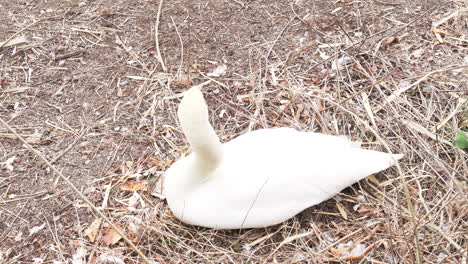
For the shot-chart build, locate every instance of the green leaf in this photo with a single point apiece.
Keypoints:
(461, 140)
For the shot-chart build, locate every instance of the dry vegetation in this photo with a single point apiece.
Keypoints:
(82, 83)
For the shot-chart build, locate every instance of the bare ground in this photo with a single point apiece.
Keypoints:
(85, 88)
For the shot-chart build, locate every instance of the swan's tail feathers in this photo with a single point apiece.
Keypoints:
(374, 161)
(387, 161)
(395, 157)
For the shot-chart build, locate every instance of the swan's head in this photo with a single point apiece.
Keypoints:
(192, 109)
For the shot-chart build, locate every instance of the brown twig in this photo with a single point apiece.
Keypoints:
(156, 36)
(76, 53)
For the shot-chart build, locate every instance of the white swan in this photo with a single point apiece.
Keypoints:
(261, 178)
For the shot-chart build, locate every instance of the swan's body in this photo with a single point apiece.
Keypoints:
(261, 178)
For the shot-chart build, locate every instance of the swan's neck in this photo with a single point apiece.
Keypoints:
(193, 116)
(205, 146)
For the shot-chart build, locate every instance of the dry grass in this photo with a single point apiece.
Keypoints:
(105, 113)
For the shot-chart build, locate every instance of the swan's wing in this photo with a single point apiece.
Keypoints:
(268, 176)
(282, 171)
(302, 158)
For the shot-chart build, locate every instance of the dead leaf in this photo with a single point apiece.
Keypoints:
(403, 36)
(19, 236)
(79, 256)
(110, 236)
(93, 229)
(349, 252)
(36, 229)
(132, 231)
(76, 243)
(357, 253)
(34, 138)
(38, 260)
(9, 163)
(134, 186)
(134, 199)
(183, 80)
(119, 91)
(366, 211)
(218, 71)
(111, 258)
(417, 53)
(300, 109)
(342, 211)
(3, 82)
(13, 42)
(338, 252)
(107, 13)
(393, 40)
(339, 64)
(388, 41)
(373, 179)
(463, 123)
(158, 187)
